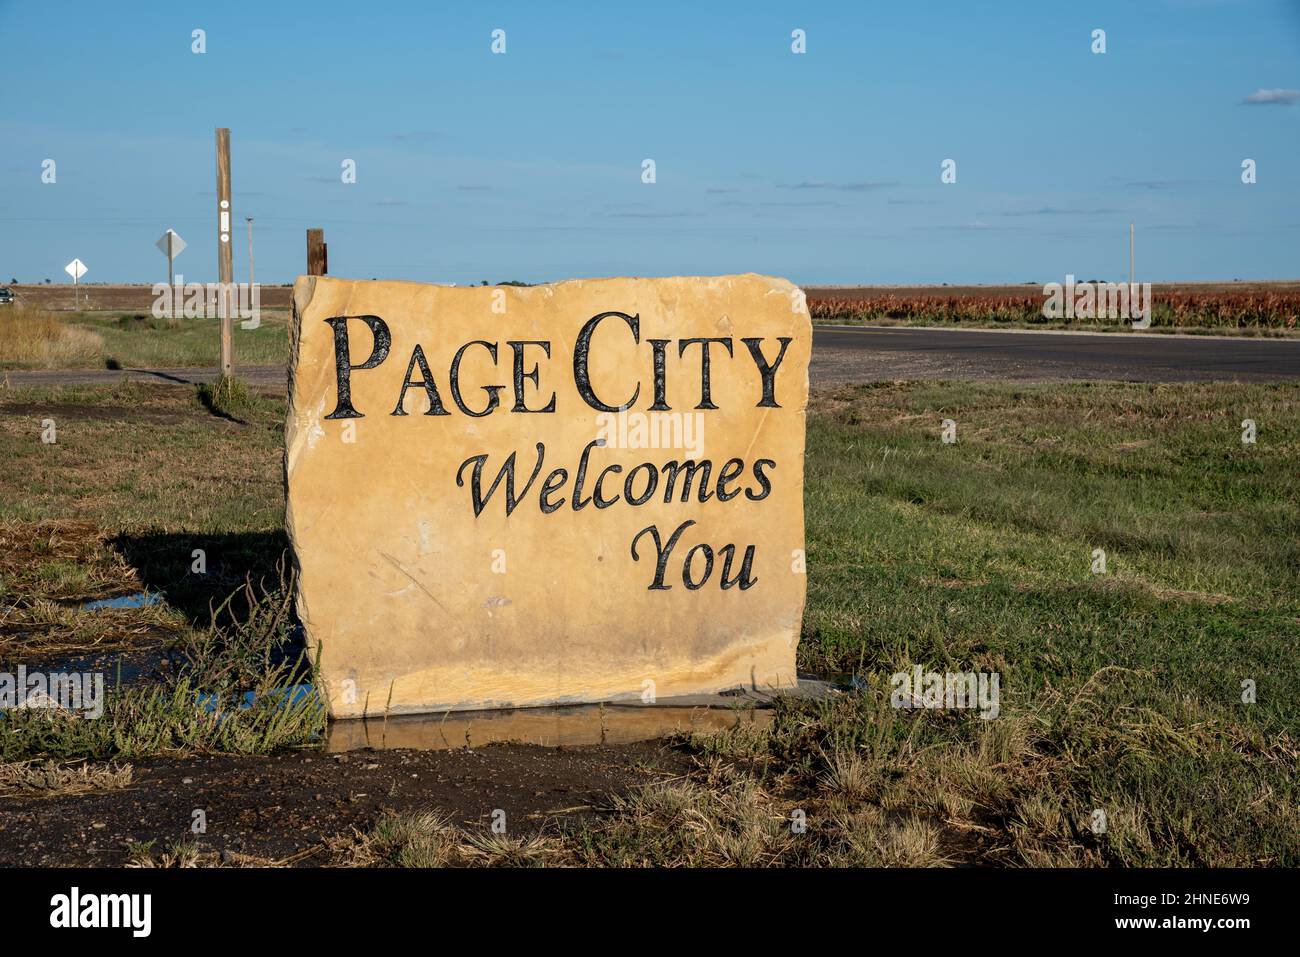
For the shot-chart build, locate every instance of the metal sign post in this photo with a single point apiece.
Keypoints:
(76, 269)
(171, 245)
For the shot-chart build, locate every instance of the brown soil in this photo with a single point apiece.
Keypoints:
(136, 298)
(293, 808)
(100, 413)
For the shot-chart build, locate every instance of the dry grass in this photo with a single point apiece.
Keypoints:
(175, 854)
(35, 338)
(429, 839)
(52, 778)
(501, 850)
(191, 854)
(44, 627)
(719, 816)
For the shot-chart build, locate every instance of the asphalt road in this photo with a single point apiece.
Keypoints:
(844, 355)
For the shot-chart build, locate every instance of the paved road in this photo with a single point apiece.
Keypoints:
(842, 355)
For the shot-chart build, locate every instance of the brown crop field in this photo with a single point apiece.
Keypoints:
(1235, 306)
(91, 297)
(1262, 307)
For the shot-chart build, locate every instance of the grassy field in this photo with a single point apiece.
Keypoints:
(1121, 692)
(33, 338)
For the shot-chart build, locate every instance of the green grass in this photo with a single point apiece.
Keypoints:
(243, 648)
(138, 479)
(134, 456)
(228, 396)
(133, 340)
(170, 718)
(1120, 692)
(928, 552)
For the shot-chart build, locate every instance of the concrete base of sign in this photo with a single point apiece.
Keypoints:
(572, 726)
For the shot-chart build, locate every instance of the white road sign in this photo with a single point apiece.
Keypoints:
(76, 269)
(178, 244)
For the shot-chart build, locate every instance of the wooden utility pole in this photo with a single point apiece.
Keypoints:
(250, 256)
(225, 261)
(318, 260)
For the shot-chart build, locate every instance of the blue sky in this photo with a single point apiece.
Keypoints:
(822, 167)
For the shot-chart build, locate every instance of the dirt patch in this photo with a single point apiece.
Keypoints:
(293, 808)
(1134, 446)
(267, 381)
(71, 540)
(102, 413)
(28, 549)
(1118, 582)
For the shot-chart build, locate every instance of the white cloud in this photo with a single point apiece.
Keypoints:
(1273, 97)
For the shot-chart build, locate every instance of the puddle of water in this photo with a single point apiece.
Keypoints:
(569, 725)
(284, 698)
(847, 681)
(566, 726)
(141, 599)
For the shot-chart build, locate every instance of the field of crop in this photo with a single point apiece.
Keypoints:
(1262, 308)
(133, 297)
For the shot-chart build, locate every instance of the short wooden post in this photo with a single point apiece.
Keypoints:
(317, 253)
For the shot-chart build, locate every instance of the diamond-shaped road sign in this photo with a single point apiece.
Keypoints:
(177, 243)
(76, 269)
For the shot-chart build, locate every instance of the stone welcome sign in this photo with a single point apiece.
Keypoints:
(510, 496)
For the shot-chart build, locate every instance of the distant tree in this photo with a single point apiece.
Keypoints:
(47, 282)
(13, 282)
